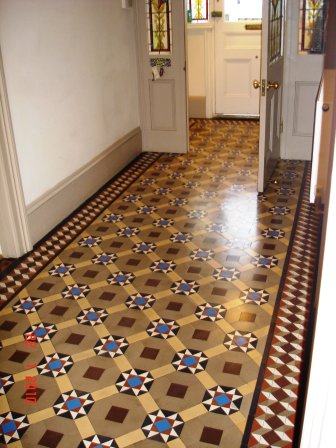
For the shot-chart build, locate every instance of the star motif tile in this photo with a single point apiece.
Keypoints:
(61, 270)
(211, 312)
(202, 254)
(261, 197)
(121, 278)
(128, 231)
(289, 175)
(209, 195)
(146, 210)
(222, 400)
(257, 296)
(13, 425)
(163, 222)
(90, 241)
(98, 441)
(237, 188)
(73, 404)
(144, 248)
(227, 274)
(132, 198)
(134, 382)
(276, 210)
(267, 262)
(240, 341)
(181, 237)
(185, 287)
(164, 266)
(216, 227)
(140, 301)
(148, 181)
(42, 332)
(111, 346)
(275, 234)
(162, 426)
(6, 382)
(163, 191)
(76, 291)
(92, 316)
(113, 217)
(104, 258)
(55, 365)
(179, 202)
(190, 361)
(175, 175)
(27, 305)
(197, 214)
(163, 328)
(191, 185)
(202, 169)
(285, 191)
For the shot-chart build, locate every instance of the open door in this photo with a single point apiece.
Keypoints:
(162, 75)
(271, 87)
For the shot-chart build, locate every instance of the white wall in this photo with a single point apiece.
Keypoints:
(70, 68)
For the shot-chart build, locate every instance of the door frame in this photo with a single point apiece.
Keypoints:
(15, 237)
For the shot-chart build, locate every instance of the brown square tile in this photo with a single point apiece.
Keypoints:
(93, 373)
(189, 225)
(75, 339)
(276, 221)
(219, 291)
(8, 325)
(19, 356)
(171, 211)
(177, 390)
(76, 255)
(102, 228)
(51, 439)
(116, 244)
(234, 368)
(173, 250)
(211, 435)
(155, 234)
(269, 246)
(126, 322)
(108, 296)
(138, 220)
(282, 200)
(203, 335)
(155, 200)
(234, 258)
(45, 286)
(38, 393)
(123, 207)
(117, 414)
(152, 282)
(59, 310)
(247, 317)
(133, 262)
(259, 278)
(149, 353)
(174, 306)
(90, 273)
(209, 240)
(194, 270)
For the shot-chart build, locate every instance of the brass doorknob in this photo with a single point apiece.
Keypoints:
(275, 85)
(256, 84)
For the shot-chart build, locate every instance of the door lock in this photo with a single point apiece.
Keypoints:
(256, 84)
(275, 85)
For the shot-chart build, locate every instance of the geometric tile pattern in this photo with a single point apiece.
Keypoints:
(175, 254)
(97, 441)
(73, 404)
(6, 382)
(162, 426)
(223, 400)
(13, 426)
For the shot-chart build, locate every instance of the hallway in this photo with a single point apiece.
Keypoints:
(151, 315)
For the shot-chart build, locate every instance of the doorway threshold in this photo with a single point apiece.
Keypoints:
(236, 116)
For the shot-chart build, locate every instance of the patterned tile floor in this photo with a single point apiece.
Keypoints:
(148, 325)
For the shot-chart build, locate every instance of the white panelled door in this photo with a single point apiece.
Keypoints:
(163, 99)
(237, 63)
(271, 87)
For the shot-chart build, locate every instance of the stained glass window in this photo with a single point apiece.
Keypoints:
(199, 10)
(312, 25)
(275, 29)
(159, 26)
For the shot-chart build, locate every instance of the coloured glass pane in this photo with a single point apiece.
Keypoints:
(275, 29)
(312, 25)
(199, 10)
(159, 26)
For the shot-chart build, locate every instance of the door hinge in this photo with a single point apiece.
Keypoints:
(263, 87)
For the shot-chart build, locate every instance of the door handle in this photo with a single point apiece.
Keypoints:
(274, 85)
(256, 84)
